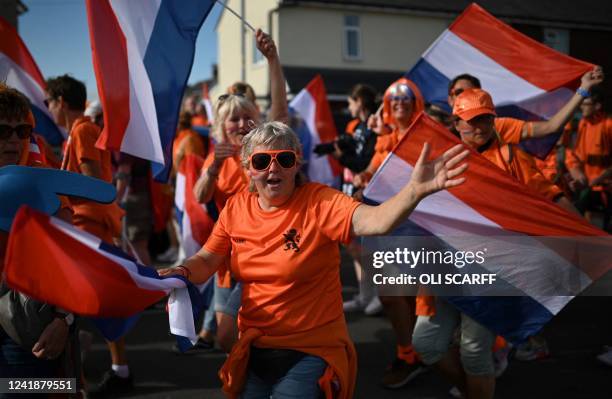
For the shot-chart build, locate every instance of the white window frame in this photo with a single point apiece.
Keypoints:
(345, 41)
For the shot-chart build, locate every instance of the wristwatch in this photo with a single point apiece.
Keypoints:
(68, 318)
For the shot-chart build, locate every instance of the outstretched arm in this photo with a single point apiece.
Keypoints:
(540, 129)
(279, 110)
(427, 178)
(196, 269)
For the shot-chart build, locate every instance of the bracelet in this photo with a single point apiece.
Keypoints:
(583, 93)
(187, 272)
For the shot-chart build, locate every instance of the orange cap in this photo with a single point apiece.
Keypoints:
(472, 103)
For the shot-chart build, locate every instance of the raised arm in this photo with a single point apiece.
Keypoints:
(279, 110)
(554, 124)
(198, 268)
(427, 178)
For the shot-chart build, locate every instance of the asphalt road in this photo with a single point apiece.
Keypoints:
(575, 337)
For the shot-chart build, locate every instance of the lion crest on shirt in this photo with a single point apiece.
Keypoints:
(292, 239)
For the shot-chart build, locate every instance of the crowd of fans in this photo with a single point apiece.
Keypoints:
(274, 252)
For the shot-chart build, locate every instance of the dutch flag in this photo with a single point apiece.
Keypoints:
(526, 79)
(142, 54)
(18, 70)
(312, 106)
(78, 272)
(535, 248)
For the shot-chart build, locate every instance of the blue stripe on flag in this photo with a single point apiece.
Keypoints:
(432, 83)
(46, 127)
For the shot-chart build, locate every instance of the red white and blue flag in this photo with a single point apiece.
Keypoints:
(109, 284)
(522, 231)
(142, 54)
(312, 106)
(18, 70)
(526, 79)
(196, 220)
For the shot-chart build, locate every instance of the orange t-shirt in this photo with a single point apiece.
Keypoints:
(520, 165)
(548, 166)
(231, 180)
(288, 261)
(594, 145)
(187, 142)
(81, 146)
(101, 220)
(510, 129)
(384, 145)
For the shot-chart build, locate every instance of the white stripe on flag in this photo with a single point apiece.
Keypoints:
(453, 56)
(319, 169)
(179, 193)
(141, 136)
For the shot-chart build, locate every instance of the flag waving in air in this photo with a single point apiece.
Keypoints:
(526, 79)
(142, 54)
(312, 106)
(18, 70)
(540, 254)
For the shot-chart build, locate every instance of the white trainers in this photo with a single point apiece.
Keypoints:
(169, 256)
(455, 393)
(606, 358)
(373, 308)
(354, 305)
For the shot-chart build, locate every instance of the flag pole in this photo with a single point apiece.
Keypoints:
(244, 21)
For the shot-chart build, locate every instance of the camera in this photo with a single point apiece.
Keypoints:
(345, 142)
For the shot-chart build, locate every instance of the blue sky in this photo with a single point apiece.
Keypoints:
(56, 34)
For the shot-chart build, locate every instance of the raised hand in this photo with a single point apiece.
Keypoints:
(592, 78)
(265, 44)
(441, 173)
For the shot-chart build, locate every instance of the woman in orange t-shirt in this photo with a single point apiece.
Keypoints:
(282, 236)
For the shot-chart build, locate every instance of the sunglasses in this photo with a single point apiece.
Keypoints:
(263, 159)
(22, 131)
(400, 98)
(224, 97)
(456, 92)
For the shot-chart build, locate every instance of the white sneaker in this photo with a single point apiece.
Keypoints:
(500, 360)
(606, 358)
(455, 393)
(354, 305)
(169, 256)
(373, 308)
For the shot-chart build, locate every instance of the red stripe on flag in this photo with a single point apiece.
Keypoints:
(110, 61)
(14, 48)
(533, 61)
(66, 273)
(324, 120)
(201, 222)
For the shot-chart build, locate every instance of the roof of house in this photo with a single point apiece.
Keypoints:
(592, 14)
(339, 81)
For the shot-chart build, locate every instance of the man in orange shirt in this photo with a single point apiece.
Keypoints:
(513, 130)
(594, 149)
(433, 333)
(66, 99)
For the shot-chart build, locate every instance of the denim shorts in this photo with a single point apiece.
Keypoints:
(228, 300)
(301, 381)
